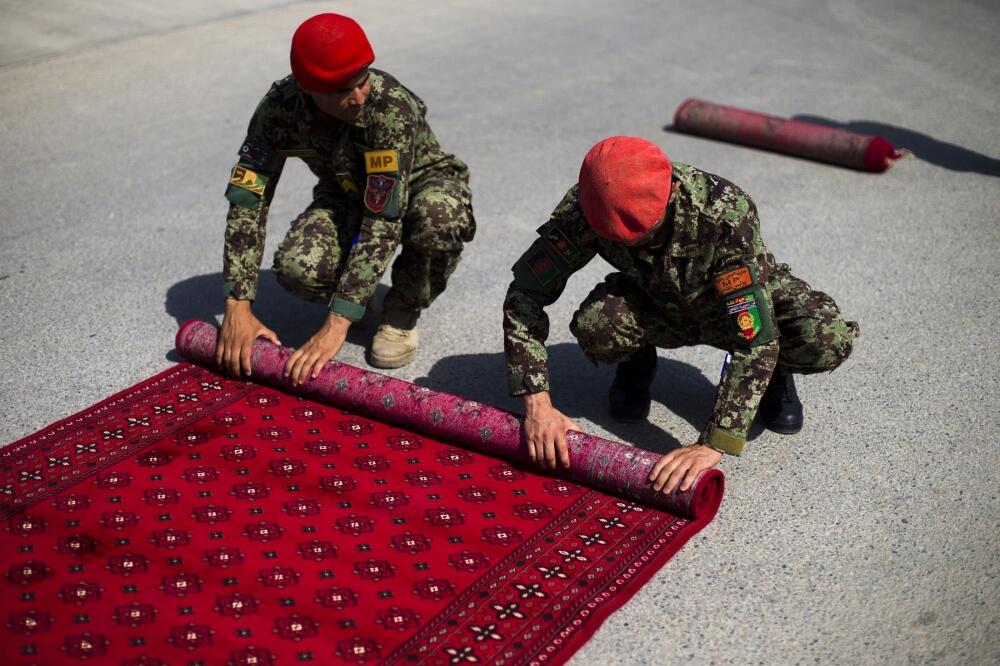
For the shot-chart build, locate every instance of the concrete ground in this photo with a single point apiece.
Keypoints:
(871, 537)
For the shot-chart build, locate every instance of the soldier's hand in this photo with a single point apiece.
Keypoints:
(545, 431)
(239, 329)
(309, 359)
(682, 466)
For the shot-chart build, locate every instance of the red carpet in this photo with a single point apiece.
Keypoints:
(195, 519)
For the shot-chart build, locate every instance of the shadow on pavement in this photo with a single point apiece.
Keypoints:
(943, 154)
(580, 391)
(293, 319)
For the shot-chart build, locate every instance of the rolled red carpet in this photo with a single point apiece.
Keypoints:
(595, 461)
(195, 518)
(793, 137)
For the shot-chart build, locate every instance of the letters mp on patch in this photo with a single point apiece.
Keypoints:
(734, 280)
(248, 180)
(378, 192)
(382, 161)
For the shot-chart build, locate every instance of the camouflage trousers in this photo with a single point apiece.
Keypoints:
(618, 317)
(436, 225)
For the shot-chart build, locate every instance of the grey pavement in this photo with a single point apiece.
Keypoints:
(872, 537)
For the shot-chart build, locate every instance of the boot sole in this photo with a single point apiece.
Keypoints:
(390, 363)
(783, 430)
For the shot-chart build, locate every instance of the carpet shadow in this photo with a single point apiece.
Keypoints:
(294, 320)
(580, 390)
(941, 153)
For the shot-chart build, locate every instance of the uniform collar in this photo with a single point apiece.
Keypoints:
(684, 219)
(364, 119)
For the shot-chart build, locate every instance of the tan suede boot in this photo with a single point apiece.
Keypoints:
(393, 347)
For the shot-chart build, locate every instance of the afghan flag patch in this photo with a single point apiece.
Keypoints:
(378, 192)
(746, 315)
(542, 267)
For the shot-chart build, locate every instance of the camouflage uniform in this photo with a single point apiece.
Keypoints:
(705, 278)
(383, 181)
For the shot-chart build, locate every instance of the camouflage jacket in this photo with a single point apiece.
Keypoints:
(372, 165)
(703, 269)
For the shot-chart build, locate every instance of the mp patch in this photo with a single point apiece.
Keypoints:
(378, 192)
(381, 161)
(561, 243)
(746, 315)
(734, 280)
(250, 181)
(255, 154)
(542, 266)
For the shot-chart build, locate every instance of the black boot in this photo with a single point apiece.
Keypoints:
(780, 409)
(629, 395)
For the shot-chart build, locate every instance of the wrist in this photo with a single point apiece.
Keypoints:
(236, 304)
(535, 403)
(712, 448)
(337, 322)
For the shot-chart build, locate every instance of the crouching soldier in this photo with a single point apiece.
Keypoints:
(691, 269)
(383, 182)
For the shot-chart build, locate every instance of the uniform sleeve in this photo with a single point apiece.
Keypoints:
(251, 188)
(540, 276)
(388, 164)
(741, 287)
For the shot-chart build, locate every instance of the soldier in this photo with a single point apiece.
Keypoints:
(692, 269)
(383, 182)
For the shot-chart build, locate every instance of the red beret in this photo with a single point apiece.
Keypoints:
(624, 187)
(328, 50)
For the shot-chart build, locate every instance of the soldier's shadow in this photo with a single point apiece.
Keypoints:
(293, 319)
(580, 390)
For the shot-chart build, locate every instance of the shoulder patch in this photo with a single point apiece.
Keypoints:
(378, 192)
(381, 161)
(248, 180)
(255, 154)
(733, 280)
(542, 266)
(747, 315)
(347, 184)
(561, 243)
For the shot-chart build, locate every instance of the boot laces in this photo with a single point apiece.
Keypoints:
(394, 334)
